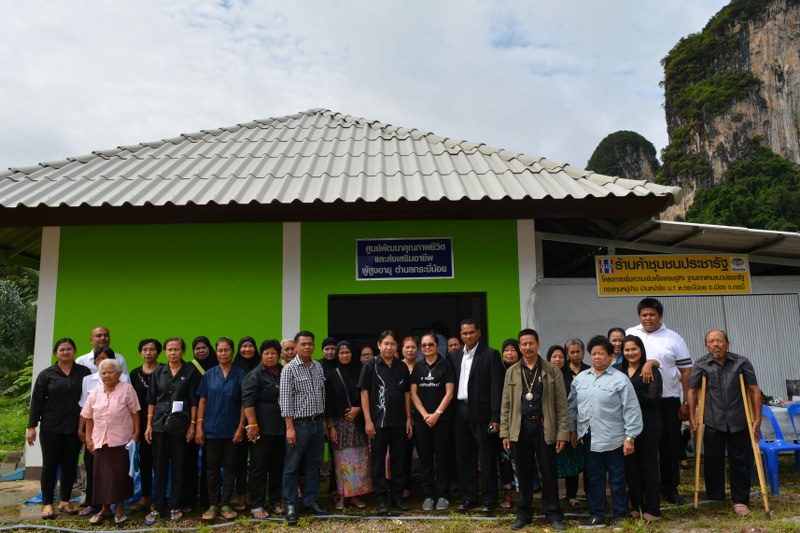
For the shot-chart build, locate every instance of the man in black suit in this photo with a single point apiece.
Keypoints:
(479, 389)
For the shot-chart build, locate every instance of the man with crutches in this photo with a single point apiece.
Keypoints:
(724, 418)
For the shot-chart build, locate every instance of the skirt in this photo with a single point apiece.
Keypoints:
(569, 463)
(351, 460)
(112, 484)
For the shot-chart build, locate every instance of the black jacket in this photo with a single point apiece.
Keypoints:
(485, 385)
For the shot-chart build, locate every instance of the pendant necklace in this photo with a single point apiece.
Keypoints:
(529, 395)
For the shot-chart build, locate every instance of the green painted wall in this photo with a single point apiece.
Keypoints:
(166, 280)
(484, 255)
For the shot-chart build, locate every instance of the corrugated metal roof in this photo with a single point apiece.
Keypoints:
(313, 156)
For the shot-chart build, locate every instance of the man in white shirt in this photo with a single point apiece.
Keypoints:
(100, 338)
(675, 363)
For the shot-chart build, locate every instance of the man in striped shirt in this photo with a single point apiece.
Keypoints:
(302, 403)
(675, 363)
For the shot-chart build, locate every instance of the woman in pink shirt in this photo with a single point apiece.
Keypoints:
(112, 421)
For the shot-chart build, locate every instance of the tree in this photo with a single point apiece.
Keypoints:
(626, 154)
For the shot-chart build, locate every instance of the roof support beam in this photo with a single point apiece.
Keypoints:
(696, 232)
(657, 248)
(768, 244)
(23, 245)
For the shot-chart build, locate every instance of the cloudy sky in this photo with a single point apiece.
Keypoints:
(544, 77)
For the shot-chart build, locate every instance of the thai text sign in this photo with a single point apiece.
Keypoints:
(404, 258)
(650, 275)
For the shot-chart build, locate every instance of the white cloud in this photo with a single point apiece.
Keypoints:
(540, 77)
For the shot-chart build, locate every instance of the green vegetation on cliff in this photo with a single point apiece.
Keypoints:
(762, 190)
(608, 157)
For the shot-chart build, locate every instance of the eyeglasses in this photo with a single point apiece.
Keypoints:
(428, 344)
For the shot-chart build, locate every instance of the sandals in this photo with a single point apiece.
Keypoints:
(48, 516)
(210, 514)
(357, 503)
(241, 505)
(151, 518)
(67, 509)
(118, 519)
(339, 505)
(98, 518)
(278, 509)
(228, 513)
(88, 511)
(175, 515)
(259, 513)
(507, 500)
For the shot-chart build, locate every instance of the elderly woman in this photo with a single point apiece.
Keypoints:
(433, 385)
(220, 423)
(569, 463)
(643, 479)
(140, 379)
(112, 421)
(511, 354)
(54, 405)
(171, 420)
(265, 430)
(346, 428)
(603, 402)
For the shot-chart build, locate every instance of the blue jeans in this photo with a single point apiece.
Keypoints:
(310, 443)
(597, 465)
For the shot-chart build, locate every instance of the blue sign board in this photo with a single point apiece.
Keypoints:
(404, 258)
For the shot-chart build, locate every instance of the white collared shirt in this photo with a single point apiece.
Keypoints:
(87, 360)
(466, 366)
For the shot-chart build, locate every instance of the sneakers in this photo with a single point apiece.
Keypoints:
(593, 522)
(442, 504)
(427, 505)
(741, 509)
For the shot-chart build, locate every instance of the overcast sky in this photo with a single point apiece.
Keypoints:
(544, 77)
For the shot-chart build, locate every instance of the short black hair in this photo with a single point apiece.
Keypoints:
(468, 322)
(303, 333)
(724, 335)
(603, 342)
(63, 340)
(145, 342)
(612, 330)
(270, 343)
(553, 349)
(528, 331)
(105, 350)
(650, 302)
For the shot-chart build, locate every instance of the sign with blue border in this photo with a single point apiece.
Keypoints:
(425, 258)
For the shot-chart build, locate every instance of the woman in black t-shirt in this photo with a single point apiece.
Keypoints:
(432, 390)
(140, 379)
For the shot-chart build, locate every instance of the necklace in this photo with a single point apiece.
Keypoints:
(430, 368)
(529, 395)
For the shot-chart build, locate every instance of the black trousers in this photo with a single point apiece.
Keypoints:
(220, 454)
(670, 446)
(241, 453)
(146, 468)
(394, 440)
(433, 446)
(195, 490)
(59, 450)
(169, 453)
(644, 489)
(529, 450)
(740, 461)
(88, 464)
(266, 465)
(473, 443)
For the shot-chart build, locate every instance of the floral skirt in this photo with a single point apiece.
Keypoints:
(351, 460)
(569, 463)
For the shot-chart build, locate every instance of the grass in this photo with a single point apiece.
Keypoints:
(12, 424)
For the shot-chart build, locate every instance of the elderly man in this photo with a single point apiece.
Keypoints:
(667, 350)
(534, 427)
(288, 351)
(603, 401)
(100, 338)
(302, 403)
(724, 419)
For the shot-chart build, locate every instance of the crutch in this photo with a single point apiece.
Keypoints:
(699, 443)
(756, 451)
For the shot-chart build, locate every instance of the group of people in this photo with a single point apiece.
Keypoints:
(227, 421)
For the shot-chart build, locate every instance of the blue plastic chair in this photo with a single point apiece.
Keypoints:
(772, 449)
(794, 410)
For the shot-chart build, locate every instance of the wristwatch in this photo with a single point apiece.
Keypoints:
(630, 438)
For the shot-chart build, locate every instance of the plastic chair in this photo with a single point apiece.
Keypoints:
(772, 449)
(794, 410)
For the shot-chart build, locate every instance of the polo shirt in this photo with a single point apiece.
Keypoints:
(166, 389)
(261, 389)
(223, 396)
(387, 386)
(431, 381)
(672, 354)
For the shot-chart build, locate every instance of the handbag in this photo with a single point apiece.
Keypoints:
(177, 423)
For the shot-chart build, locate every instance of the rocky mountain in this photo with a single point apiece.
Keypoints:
(626, 154)
(732, 85)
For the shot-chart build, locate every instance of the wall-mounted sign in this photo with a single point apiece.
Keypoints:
(404, 258)
(650, 275)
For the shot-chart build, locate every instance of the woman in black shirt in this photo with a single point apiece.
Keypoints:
(432, 389)
(248, 359)
(54, 403)
(140, 379)
(173, 389)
